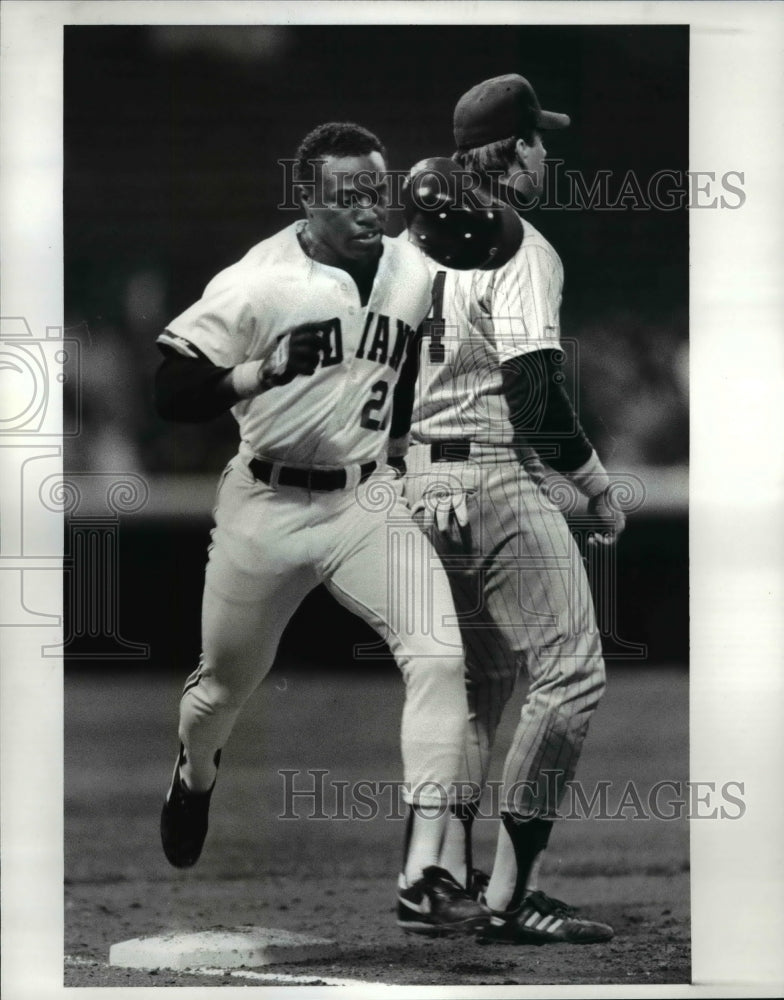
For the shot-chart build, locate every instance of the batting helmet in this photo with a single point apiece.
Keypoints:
(455, 221)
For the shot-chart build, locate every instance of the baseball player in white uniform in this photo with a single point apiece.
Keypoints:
(304, 339)
(490, 413)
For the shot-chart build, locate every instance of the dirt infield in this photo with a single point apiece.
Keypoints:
(334, 876)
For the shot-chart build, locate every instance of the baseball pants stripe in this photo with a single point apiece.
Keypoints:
(524, 605)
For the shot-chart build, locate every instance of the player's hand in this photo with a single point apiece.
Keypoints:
(296, 354)
(447, 511)
(450, 510)
(610, 520)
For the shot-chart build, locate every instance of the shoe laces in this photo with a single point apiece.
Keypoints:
(549, 904)
(446, 882)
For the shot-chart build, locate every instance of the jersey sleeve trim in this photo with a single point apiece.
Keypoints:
(178, 344)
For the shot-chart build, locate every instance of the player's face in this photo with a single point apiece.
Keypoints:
(346, 222)
(528, 177)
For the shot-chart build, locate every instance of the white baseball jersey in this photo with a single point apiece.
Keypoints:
(338, 416)
(488, 317)
(273, 543)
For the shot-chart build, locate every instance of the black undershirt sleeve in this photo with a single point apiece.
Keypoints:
(541, 412)
(191, 390)
(403, 400)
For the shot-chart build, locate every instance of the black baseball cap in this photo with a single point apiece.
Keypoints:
(499, 108)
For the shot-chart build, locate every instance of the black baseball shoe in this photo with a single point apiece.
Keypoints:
(543, 920)
(436, 904)
(184, 819)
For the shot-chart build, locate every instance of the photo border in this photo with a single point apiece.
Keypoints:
(736, 539)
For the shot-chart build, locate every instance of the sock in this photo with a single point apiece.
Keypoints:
(521, 843)
(532, 883)
(424, 833)
(201, 779)
(456, 852)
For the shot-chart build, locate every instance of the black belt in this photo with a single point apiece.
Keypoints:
(450, 451)
(320, 480)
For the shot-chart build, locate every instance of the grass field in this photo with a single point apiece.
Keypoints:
(334, 877)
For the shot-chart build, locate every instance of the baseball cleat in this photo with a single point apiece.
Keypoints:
(184, 821)
(436, 904)
(543, 920)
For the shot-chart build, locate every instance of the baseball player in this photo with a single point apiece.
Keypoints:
(490, 416)
(303, 339)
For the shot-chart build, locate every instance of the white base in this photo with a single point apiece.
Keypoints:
(229, 949)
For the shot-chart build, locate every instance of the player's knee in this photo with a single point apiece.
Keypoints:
(571, 686)
(443, 669)
(577, 661)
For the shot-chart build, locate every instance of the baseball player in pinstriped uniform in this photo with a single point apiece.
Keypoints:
(304, 339)
(490, 411)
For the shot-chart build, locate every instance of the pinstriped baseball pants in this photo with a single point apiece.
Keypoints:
(524, 605)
